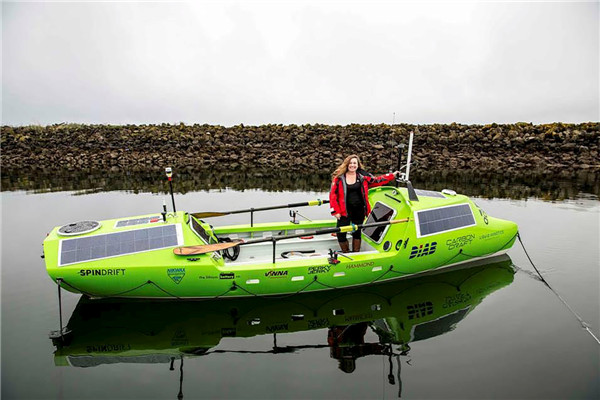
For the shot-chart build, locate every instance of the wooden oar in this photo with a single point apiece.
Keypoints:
(209, 214)
(207, 248)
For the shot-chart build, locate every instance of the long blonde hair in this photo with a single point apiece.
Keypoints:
(343, 167)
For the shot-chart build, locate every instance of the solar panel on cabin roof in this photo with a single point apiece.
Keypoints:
(429, 193)
(137, 221)
(445, 219)
(116, 244)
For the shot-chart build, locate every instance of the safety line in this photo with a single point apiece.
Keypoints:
(584, 325)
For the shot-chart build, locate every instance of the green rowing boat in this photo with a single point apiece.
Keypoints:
(180, 255)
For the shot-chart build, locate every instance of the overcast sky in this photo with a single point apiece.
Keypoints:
(333, 62)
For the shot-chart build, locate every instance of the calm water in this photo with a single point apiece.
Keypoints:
(487, 331)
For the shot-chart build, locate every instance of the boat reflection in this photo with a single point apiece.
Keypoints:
(399, 313)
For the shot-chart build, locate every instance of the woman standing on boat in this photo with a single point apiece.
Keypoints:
(349, 199)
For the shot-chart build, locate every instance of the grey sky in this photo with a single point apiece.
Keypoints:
(300, 62)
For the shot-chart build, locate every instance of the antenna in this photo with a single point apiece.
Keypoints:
(410, 142)
(169, 173)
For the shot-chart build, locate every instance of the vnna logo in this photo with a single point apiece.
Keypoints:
(275, 273)
(423, 250)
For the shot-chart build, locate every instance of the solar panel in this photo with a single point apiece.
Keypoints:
(444, 219)
(117, 244)
(199, 230)
(429, 193)
(137, 221)
(380, 212)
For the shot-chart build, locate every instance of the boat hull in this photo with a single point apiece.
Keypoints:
(262, 269)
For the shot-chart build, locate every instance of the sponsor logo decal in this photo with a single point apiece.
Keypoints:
(360, 265)
(423, 250)
(457, 299)
(488, 236)
(228, 332)
(484, 215)
(276, 274)
(318, 323)
(226, 275)
(176, 274)
(277, 328)
(321, 269)
(420, 310)
(107, 348)
(179, 338)
(459, 242)
(102, 272)
(358, 317)
(208, 277)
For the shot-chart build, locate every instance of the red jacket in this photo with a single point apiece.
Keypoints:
(337, 194)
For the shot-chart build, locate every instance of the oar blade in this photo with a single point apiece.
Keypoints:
(204, 248)
(208, 214)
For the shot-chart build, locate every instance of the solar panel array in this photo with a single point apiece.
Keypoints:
(117, 244)
(429, 193)
(137, 221)
(445, 219)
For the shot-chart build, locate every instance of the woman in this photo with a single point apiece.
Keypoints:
(349, 199)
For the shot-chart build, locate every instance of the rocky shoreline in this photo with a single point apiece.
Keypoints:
(509, 148)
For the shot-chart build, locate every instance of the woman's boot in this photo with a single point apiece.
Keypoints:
(345, 246)
(355, 245)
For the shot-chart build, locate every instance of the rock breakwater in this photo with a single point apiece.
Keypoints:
(450, 147)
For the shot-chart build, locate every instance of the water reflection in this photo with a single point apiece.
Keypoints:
(571, 185)
(399, 313)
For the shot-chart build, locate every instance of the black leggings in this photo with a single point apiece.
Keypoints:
(356, 215)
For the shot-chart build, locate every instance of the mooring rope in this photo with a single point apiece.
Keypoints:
(584, 325)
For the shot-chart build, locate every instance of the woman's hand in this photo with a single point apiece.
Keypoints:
(338, 216)
(397, 174)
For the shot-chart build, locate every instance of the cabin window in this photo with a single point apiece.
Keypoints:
(107, 245)
(380, 213)
(443, 219)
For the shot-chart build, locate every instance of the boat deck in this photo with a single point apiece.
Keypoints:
(293, 249)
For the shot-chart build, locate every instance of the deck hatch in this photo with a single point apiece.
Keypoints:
(444, 219)
(119, 243)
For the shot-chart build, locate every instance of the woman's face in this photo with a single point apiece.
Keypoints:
(353, 165)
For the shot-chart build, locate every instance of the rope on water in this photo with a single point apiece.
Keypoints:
(584, 325)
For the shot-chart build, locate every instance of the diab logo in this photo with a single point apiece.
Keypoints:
(423, 250)
(176, 274)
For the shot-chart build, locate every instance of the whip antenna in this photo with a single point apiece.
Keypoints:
(169, 173)
(410, 142)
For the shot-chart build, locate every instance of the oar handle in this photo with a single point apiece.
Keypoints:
(311, 203)
(292, 205)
